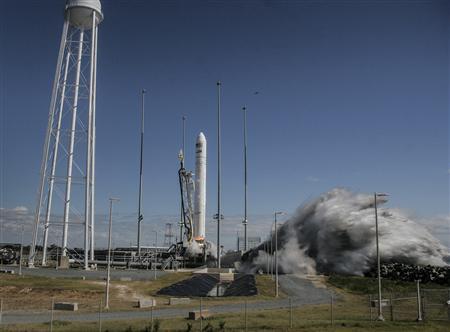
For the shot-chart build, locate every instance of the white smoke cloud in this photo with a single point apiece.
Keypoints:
(336, 233)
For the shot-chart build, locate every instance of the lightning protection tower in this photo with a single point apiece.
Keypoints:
(67, 176)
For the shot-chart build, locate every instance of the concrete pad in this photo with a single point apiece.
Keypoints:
(179, 300)
(194, 315)
(69, 306)
(146, 303)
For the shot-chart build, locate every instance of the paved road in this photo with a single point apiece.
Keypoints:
(89, 275)
(302, 292)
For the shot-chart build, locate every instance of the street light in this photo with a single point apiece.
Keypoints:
(155, 254)
(380, 310)
(108, 275)
(276, 253)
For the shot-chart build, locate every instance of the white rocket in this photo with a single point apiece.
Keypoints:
(200, 188)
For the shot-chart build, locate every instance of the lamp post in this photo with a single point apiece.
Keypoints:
(276, 252)
(219, 213)
(380, 310)
(244, 109)
(108, 274)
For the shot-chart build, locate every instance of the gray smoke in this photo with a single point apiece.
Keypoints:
(335, 233)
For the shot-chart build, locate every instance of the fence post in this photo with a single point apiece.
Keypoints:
(100, 316)
(51, 315)
(391, 302)
(1, 311)
(290, 313)
(331, 309)
(370, 307)
(423, 297)
(201, 320)
(151, 317)
(448, 306)
(419, 309)
(245, 315)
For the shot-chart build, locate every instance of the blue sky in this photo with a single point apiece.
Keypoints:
(351, 94)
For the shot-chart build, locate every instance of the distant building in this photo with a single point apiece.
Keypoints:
(251, 242)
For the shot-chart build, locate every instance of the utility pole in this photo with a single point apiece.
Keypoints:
(108, 275)
(219, 213)
(245, 179)
(140, 216)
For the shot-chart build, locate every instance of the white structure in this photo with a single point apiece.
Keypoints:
(68, 161)
(200, 188)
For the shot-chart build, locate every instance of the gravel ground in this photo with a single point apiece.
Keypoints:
(89, 275)
(302, 292)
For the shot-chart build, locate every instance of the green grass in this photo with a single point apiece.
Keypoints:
(363, 285)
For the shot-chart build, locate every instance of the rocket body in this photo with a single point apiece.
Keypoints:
(200, 188)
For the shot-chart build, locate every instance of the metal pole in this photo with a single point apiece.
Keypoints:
(266, 250)
(108, 274)
(201, 320)
(51, 314)
(71, 151)
(219, 213)
(1, 311)
(21, 253)
(43, 170)
(380, 312)
(100, 316)
(331, 310)
(245, 179)
(94, 84)
(87, 194)
(245, 314)
(290, 313)
(140, 216)
(419, 305)
(54, 159)
(151, 316)
(276, 257)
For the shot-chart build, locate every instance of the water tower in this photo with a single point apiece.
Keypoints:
(67, 176)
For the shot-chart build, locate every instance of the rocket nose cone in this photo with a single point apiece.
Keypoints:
(201, 137)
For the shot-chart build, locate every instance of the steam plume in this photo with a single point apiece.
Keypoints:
(336, 233)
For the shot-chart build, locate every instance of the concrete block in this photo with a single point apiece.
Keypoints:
(384, 303)
(179, 300)
(227, 277)
(146, 303)
(69, 306)
(64, 262)
(125, 279)
(194, 315)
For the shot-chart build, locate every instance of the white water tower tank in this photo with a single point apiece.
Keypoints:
(79, 12)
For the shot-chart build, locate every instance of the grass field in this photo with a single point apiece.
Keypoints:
(37, 293)
(350, 311)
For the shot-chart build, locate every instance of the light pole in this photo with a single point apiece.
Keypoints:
(155, 254)
(140, 216)
(108, 275)
(276, 253)
(219, 213)
(244, 109)
(380, 310)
